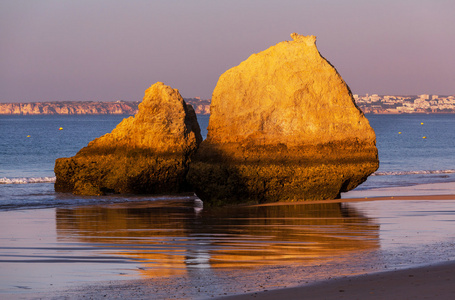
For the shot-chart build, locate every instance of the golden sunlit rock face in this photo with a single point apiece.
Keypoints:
(283, 127)
(147, 153)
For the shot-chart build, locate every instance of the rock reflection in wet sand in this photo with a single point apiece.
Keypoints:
(186, 252)
(173, 237)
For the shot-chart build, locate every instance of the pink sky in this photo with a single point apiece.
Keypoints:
(107, 50)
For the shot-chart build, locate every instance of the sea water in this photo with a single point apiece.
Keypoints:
(189, 252)
(413, 149)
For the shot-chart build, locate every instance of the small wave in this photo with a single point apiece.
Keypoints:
(25, 180)
(421, 172)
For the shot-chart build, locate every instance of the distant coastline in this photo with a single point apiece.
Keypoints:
(387, 104)
(88, 107)
(370, 104)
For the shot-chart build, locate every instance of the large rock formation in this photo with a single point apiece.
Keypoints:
(147, 153)
(283, 127)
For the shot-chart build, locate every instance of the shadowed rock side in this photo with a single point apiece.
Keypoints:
(147, 153)
(283, 127)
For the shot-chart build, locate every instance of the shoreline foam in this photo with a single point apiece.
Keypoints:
(419, 190)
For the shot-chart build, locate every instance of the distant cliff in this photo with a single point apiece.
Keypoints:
(87, 107)
(69, 108)
(201, 107)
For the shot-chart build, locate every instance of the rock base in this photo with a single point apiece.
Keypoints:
(132, 174)
(233, 174)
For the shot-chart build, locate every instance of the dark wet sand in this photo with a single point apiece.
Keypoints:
(428, 282)
(435, 281)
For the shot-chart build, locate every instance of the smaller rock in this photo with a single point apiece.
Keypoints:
(145, 154)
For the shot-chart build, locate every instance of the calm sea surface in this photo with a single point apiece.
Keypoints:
(52, 241)
(413, 149)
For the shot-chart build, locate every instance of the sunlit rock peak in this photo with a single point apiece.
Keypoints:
(283, 127)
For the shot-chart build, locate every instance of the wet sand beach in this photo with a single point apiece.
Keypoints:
(427, 282)
(363, 247)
